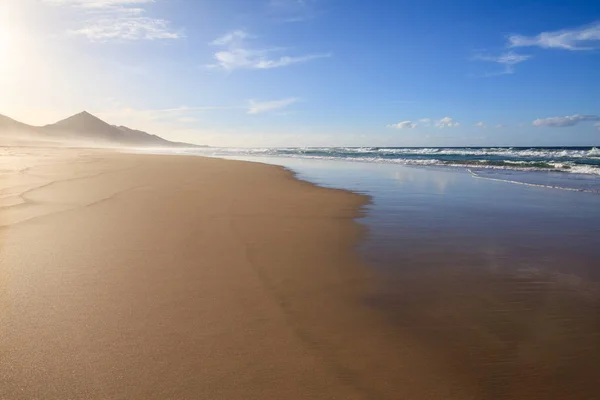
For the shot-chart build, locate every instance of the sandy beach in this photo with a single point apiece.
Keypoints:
(166, 277)
(171, 277)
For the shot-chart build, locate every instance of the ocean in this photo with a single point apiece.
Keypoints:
(581, 160)
(567, 168)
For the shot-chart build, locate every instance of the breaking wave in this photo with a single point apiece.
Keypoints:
(578, 160)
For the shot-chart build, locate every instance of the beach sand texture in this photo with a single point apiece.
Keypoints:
(172, 277)
(132, 276)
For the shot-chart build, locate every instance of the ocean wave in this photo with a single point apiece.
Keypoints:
(476, 174)
(573, 160)
(594, 152)
(548, 153)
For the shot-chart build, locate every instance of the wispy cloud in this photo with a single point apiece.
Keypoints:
(445, 122)
(98, 3)
(257, 107)
(560, 122)
(480, 124)
(581, 38)
(403, 125)
(237, 55)
(185, 114)
(230, 37)
(129, 28)
(507, 60)
(108, 20)
(287, 60)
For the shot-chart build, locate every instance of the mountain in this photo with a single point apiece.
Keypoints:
(84, 125)
(10, 125)
(17, 133)
(84, 129)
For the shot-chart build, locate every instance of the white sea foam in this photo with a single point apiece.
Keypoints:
(570, 160)
(594, 152)
(505, 180)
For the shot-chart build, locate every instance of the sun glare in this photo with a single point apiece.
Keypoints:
(8, 66)
(6, 45)
(5, 41)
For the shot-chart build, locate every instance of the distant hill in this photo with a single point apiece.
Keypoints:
(9, 123)
(83, 129)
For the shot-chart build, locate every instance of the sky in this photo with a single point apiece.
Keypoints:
(310, 72)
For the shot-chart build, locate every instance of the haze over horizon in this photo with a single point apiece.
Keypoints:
(309, 72)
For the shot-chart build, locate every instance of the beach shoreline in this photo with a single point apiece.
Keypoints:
(161, 276)
(138, 276)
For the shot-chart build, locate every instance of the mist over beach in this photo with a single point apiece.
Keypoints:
(299, 199)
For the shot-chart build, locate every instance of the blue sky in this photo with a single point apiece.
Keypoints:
(310, 72)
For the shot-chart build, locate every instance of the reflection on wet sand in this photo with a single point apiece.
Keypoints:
(439, 182)
(500, 281)
(526, 333)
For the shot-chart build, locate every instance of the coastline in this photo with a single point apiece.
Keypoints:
(136, 276)
(505, 292)
(161, 276)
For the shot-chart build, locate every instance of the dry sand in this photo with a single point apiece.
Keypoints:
(170, 277)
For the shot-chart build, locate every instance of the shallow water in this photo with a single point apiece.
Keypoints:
(501, 279)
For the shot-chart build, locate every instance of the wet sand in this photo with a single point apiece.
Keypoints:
(172, 277)
(166, 277)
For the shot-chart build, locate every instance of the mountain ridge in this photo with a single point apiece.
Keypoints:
(83, 128)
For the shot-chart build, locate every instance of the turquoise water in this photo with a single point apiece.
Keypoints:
(579, 160)
(568, 168)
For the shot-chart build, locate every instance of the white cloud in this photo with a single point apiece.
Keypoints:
(500, 126)
(581, 38)
(480, 124)
(129, 28)
(257, 107)
(238, 56)
(446, 122)
(118, 20)
(286, 60)
(97, 3)
(507, 60)
(185, 114)
(403, 125)
(559, 122)
(231, 37)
